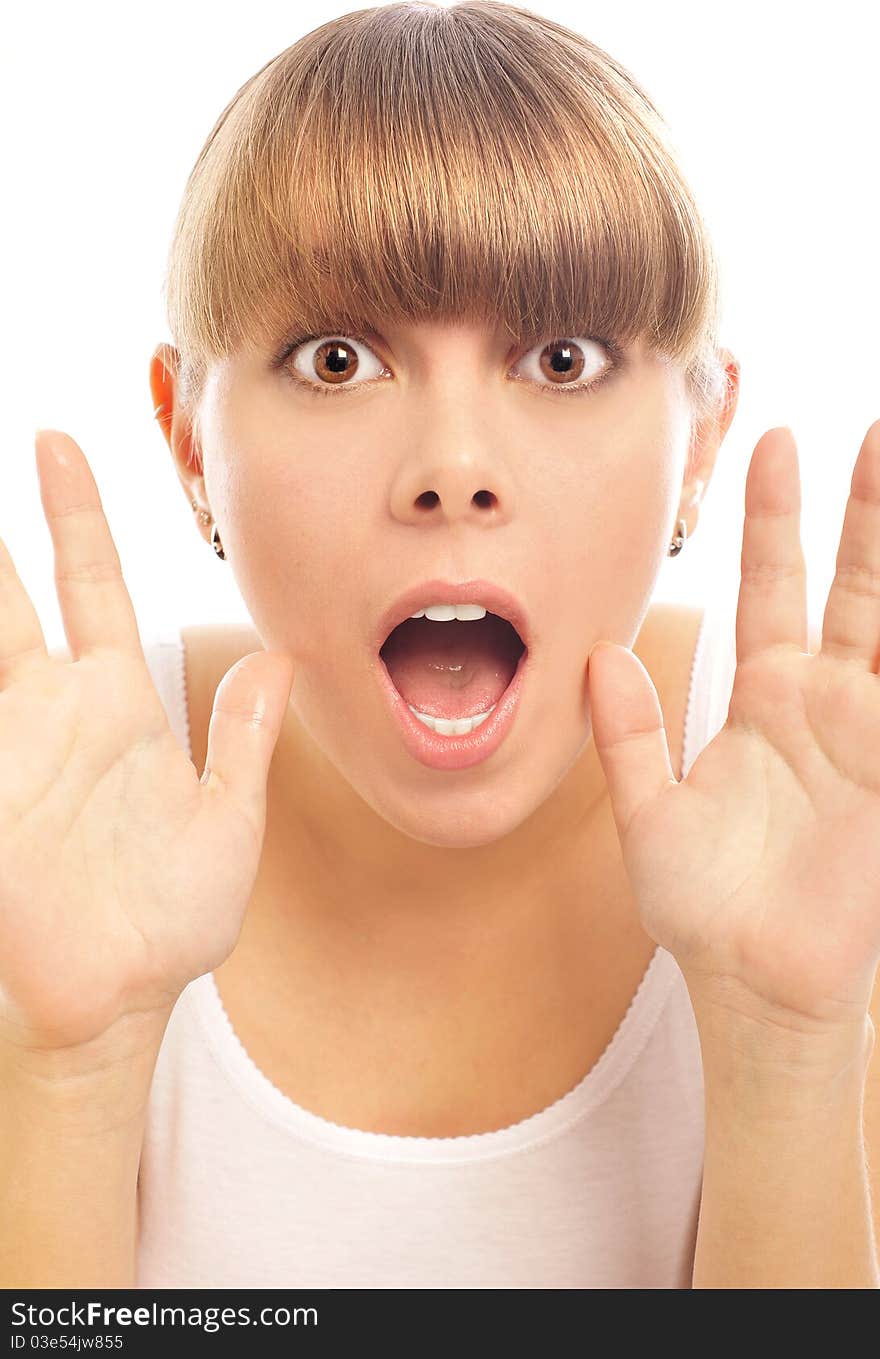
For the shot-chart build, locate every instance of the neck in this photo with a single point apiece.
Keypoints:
(365, 875)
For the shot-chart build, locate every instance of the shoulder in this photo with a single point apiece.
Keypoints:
(668, 635)
(207, 646)
(666, 645)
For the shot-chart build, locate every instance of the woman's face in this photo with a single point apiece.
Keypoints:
(463, 459)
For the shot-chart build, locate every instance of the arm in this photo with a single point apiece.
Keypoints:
(786, 1201)
(759, 872)
(71, 1128)
(123, 876)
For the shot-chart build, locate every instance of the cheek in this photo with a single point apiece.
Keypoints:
(605, 551)
(302, 569)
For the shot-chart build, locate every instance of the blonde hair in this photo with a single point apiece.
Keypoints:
(421, 161)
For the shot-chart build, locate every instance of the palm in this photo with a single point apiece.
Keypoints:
(149, 870)
(123, 875)
(761, 868)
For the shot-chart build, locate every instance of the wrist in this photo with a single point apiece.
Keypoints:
(767, 1067)
(95, 1086)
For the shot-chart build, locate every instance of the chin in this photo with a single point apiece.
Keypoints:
(457, 809)
(450, 817)
(448, 824)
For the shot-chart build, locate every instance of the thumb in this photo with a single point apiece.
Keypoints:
(249, 707)
(628, 730)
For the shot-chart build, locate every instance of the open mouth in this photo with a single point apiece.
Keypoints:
(452, 672)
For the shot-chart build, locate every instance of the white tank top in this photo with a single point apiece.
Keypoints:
(239, 1187)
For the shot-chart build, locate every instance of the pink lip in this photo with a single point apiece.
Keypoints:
(494, 598)
(426, 746)
(455, 752)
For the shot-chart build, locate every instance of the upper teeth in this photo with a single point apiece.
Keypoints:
(444, 613)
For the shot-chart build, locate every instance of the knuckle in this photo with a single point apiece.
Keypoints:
(857, 578)
(95, 572)
(766, 574)
(76, 507)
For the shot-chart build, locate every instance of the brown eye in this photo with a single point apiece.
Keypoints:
(331, 362)
(335, 360)
(566, 363)
(561, 359)
(324, 365)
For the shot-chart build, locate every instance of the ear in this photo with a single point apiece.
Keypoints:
(707, 436)
(175, 426)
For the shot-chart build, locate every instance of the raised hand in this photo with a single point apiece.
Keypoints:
(123, 874)
(760, 870)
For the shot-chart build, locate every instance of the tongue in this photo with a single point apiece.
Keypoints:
(454, 669)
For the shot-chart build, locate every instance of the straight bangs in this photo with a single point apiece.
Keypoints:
(421, 162)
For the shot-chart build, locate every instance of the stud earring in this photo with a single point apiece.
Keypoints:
(205, 518)
(680, 538)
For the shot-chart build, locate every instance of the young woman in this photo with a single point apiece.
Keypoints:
(322, 983)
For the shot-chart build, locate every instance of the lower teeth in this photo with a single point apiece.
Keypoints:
(459, 726)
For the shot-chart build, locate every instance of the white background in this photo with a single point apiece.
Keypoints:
(105, 107)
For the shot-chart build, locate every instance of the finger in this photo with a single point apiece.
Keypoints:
(22, 644)
(628, 731)
(772, 605)
(249, 707)
(851, 623)
(95, 604)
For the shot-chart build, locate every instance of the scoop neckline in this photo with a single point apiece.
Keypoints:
(588, 1094)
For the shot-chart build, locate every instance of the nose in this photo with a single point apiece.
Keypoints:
(456, 488)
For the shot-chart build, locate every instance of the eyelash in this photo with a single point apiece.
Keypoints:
(279, 361)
